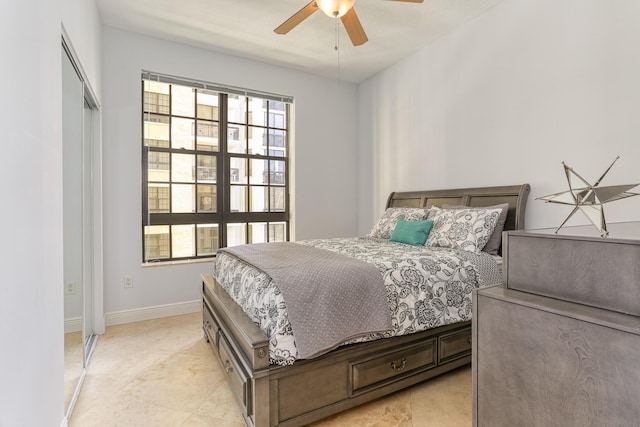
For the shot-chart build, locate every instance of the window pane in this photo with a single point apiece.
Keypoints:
(278, 199)
(207, 129)
(208, 106)
(207, 136)
(158, 167)
(277, 232)
(156, 242)
(279, 109)
(156, 97)
(258, 200)
(182, 133)
(236, 139)
(236, 234)
(207, 239)
(183, 198)
(156, 130)
(182, 101)
(238, 199)
(276, 172)
(183, 167)
(182, 239)
(237, 109)
(277, 143)
(259, 171)
(207, 171)
(238, 170)
(258, 232)
(257, 140)
(207, 200)
(158, 198)
(276, 120)
(257, 112)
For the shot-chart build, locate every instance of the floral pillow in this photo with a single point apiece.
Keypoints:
(387, 222)
(467, 229)
(495, 240)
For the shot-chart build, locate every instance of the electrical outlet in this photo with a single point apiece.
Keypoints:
(128, 282)
(70, 288)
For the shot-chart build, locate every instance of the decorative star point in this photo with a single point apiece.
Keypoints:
(589, 199)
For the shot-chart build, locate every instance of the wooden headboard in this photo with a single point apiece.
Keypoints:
(515, 195)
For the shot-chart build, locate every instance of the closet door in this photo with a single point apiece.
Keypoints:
(72, 137)
(81, 223)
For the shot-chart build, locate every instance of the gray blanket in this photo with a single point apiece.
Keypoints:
(330, 298)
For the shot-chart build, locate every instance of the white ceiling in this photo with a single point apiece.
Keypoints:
(245, 28)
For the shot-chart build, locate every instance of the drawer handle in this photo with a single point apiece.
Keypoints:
(227, 367)
(207, 324)
(396, 368)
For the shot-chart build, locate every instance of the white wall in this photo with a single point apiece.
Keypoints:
(326, 157)
(31, 270)
(504, 100)
(83, 25)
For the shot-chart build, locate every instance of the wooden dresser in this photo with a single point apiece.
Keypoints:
(559, 343)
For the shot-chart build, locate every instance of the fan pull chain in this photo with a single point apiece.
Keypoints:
(337, 33)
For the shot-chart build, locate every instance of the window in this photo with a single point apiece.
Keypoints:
(215, 168)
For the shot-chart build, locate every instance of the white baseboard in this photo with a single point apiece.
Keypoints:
(73, 324)
(154, 312)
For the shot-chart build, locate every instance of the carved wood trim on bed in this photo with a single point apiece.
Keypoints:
(351, 375)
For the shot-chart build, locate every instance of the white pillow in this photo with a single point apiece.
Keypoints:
(467, 229)
(387, 222)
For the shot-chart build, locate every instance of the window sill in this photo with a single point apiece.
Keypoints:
(179, 262)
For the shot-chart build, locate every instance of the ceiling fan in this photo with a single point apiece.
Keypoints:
(342, 9)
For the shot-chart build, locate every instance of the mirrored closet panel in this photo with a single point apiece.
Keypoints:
(81, 230)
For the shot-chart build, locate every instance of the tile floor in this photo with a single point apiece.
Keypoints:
(162, 373)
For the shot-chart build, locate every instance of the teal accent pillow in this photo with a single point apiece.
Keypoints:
(412, 232)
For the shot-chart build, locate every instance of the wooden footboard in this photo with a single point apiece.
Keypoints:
(313, 389)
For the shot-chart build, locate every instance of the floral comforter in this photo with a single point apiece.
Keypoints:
(426, 287)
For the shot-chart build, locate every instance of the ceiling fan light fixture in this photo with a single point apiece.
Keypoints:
(335, 8)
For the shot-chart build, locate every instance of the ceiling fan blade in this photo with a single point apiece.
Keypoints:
(297, 18)
(354, 28)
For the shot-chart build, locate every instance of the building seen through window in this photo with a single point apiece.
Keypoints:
(215, 170)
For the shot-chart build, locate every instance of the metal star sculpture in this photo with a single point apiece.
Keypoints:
(589, 199)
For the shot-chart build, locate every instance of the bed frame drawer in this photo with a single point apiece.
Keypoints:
(238, 379)
(391, 366)
(210, 327)
(454, 345)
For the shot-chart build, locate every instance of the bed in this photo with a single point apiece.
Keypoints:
(276, 391)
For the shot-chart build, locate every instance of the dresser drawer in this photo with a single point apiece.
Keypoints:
(394, 365)
(454, 345)
(575, 267)
(235, 374)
